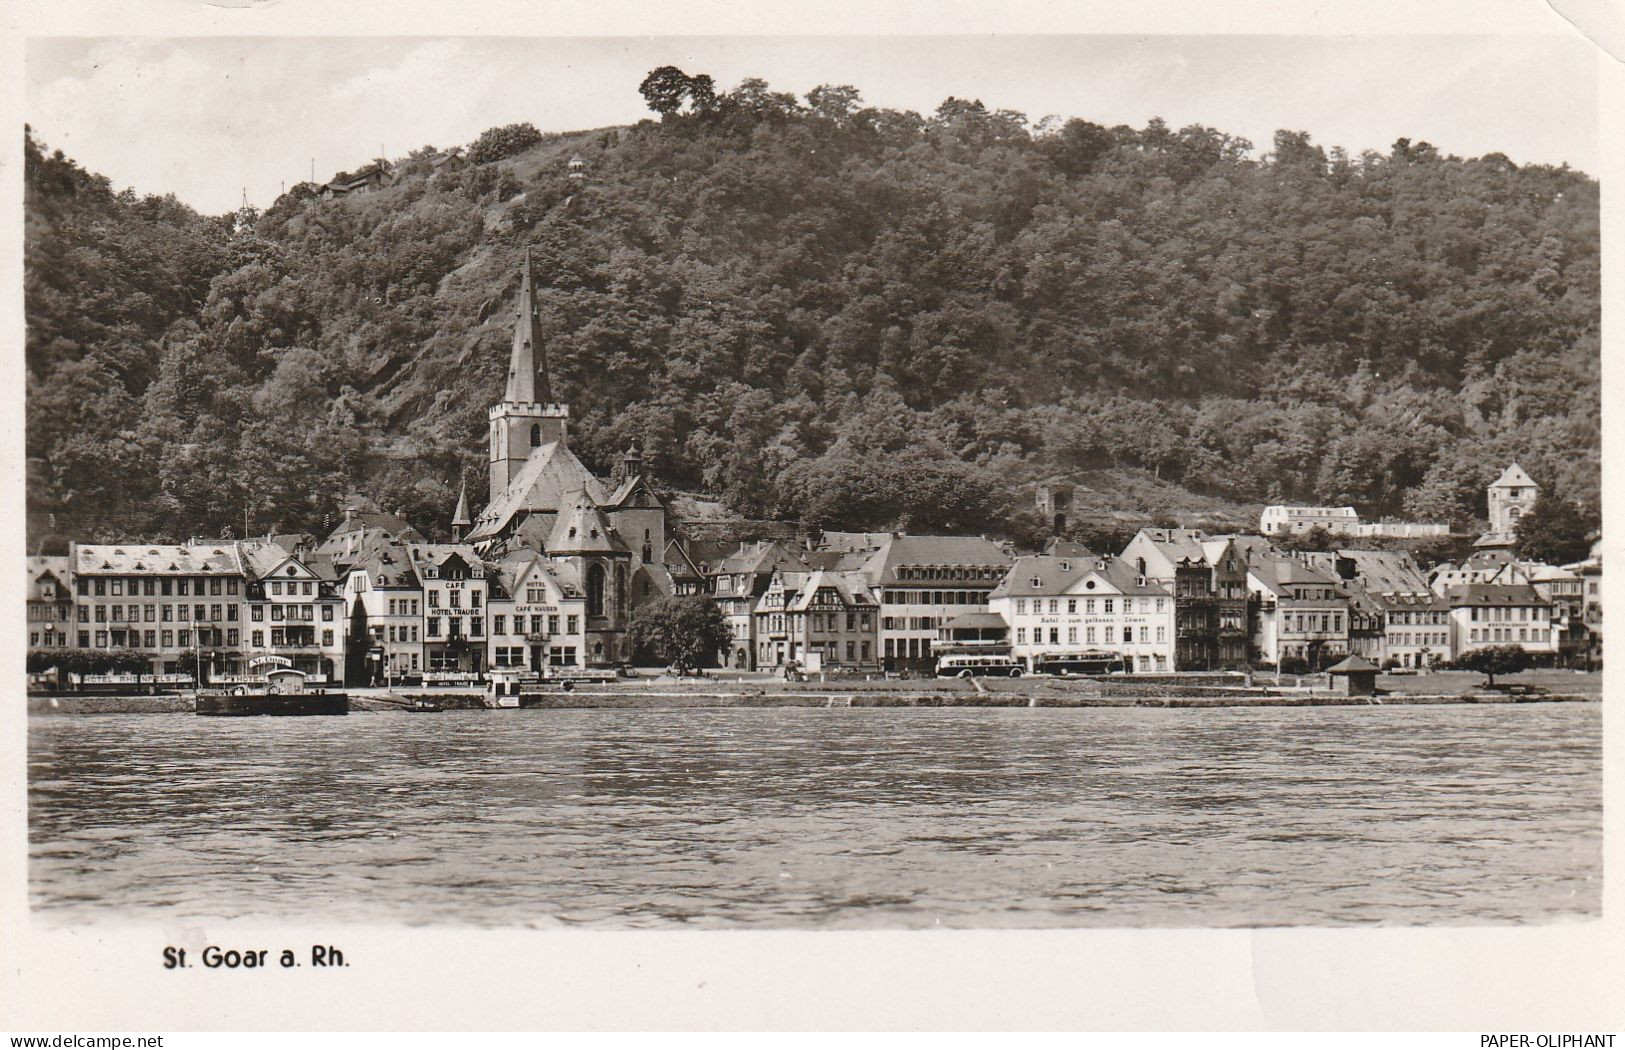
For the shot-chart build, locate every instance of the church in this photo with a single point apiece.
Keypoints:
(607, 540)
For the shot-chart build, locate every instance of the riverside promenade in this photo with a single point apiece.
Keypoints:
(653, 690)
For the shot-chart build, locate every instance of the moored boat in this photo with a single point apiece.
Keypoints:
(282, 691)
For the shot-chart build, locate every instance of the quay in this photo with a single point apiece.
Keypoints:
(765, 692)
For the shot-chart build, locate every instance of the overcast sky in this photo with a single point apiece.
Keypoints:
(206, 119)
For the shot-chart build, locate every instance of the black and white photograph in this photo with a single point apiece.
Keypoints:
(1001, 482)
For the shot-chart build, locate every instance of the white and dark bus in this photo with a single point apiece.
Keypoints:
(971, 665)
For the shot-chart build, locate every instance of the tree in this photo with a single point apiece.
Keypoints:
(684, 632)
(502, 142)
(1318, 538)
(1495, 659)
(666, 88)
(1554, 531)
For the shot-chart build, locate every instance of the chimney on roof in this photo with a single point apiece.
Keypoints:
(349, 514)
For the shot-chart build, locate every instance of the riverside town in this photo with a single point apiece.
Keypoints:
(757, 509)
(565, 573)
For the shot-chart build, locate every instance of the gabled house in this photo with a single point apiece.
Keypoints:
(1066, 607)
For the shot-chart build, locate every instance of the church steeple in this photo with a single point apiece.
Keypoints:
(526, 418)
(460, 521)
(527, 368)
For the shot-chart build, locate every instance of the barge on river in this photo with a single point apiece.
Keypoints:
(282, 691)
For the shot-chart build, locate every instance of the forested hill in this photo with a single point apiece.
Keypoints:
(819, 311)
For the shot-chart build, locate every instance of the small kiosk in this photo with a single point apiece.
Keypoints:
(1353, 676)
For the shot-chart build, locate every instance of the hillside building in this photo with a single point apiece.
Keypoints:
(1282, 520)
(1510, 497)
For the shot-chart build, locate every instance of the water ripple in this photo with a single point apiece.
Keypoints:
(801, 818)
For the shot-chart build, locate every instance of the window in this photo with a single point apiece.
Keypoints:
(327, 638)
(214, 613)
(499, 624)
(572, 622)
(434, 627)
(434, 599)
(1055, 636)
(1145, 634)
(595, 590)
(1108, 603)
(1021, 606)
(1128, 634)
(232, 636)
(1071, 605)
(474, 599)
(535, 435)
(1162, 635)
(1021, 636)
(1054, 606)
(185, 638)
(456, 599)
(274, 587)
(231, 587)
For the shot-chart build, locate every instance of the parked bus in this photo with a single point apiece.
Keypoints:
(968, 665)
(1079, 663)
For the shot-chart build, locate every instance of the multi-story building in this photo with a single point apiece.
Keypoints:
(537, 615)
(1059, 607)
(1416, 630)
(1489, 614)
(1590, 573)
(454, 634)
(180, 605)
(923, 581)
(1300, 613)
(821, 617)
(1281, 520)
(738, 581)
(1229, 562)
(294, 611)
(50, 601)
(1565, 589)
(384, 630)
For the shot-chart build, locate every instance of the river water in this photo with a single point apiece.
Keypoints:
(809, 818)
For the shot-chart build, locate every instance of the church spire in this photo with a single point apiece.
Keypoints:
(527, 369)
(459, 520)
